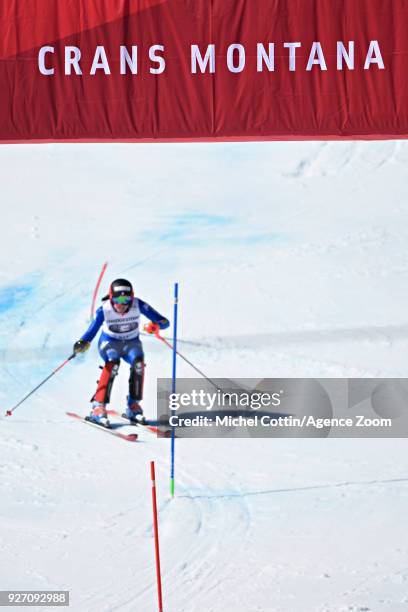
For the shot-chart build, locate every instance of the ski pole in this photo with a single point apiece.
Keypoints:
(200, 372)
(181, 341)
(10, 412)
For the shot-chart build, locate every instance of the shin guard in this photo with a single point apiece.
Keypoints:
(136, 380)
(104, 388)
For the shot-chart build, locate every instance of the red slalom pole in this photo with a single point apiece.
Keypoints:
(156, 536)
(96, 290)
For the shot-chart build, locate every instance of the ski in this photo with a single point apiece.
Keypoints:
(112, 432)
(152, 428)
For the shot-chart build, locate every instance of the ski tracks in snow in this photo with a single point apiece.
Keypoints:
(203, 535)
(210, 530)
(329, 159)
(225, 527)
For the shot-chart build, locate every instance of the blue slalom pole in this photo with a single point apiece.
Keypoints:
(173, 384)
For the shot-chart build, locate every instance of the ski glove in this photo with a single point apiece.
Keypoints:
(152, 328)
(81, 346)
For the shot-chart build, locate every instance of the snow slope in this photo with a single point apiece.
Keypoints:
(292, 261)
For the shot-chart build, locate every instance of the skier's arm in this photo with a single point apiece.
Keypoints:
(83, 344)
(153, 315)
(94, 327)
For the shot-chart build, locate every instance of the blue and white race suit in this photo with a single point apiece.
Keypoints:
(120, 332)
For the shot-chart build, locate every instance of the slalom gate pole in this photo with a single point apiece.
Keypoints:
(97, 287)
(173, 385)
(156, 536)
(10, 412)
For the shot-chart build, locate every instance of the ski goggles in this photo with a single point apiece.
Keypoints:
(122, 299)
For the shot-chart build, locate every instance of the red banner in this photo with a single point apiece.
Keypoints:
(203, 69)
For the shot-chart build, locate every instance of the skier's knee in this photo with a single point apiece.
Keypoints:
(114, 364)
(138, 364)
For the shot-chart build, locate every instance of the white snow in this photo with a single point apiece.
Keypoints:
(292, 261)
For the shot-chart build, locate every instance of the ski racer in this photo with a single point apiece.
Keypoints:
(119, 317)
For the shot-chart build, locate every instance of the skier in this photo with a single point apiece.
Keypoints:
(119, 317)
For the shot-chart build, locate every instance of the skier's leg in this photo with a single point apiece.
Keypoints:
(135, 358)
(104, 388)
(110, 355)
(136, 379)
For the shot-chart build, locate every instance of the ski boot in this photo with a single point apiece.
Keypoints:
(99, 415)
(134, 411)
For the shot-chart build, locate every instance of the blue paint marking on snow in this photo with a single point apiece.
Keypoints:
(205, 219)
(261, 238)
(13, 296)
(187, 226)
(199, 229)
